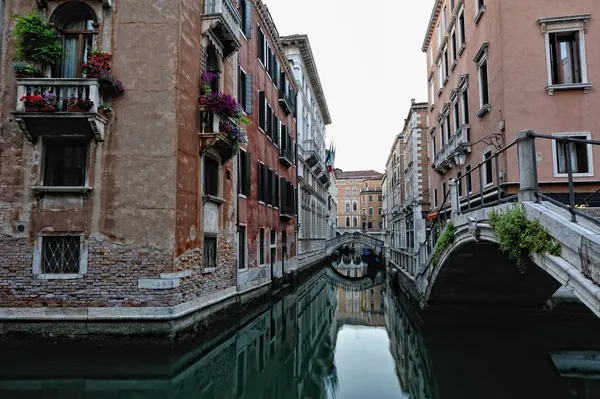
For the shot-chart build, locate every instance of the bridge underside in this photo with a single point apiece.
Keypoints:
(479, 275)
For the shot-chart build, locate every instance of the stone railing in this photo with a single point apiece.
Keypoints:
(62, 88)
(227, 10)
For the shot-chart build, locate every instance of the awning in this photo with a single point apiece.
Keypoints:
(432, 215)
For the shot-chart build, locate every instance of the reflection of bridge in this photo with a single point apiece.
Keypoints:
(315, 251)
(373, 277)
(469, 267)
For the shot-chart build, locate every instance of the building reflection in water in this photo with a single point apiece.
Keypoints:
(287, 349)
(284, 352)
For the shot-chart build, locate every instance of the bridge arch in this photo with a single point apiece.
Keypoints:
(355, 283)
(373, 243)
(475, 248)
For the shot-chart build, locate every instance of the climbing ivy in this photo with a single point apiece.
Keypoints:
(445, 240)
(37, 40)
(519, 236)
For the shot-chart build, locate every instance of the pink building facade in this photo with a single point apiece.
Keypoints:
(495, 68)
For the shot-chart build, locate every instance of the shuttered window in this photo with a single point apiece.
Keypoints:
(262, 111)
(261, 47)
(244, 173)
(245, 91)
(246, 13)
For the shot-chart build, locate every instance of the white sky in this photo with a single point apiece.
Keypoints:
(368, 53)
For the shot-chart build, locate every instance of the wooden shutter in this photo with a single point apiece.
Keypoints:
(274, 132)
(260, 174)
(282, 190)
(241, 162)
(247, 179)
(261, 45)
(277, 191)
(277, 77)
(269, 121)
(248, 19)
(284, 138)
(248, 94)
(269, 196)
(262, 112)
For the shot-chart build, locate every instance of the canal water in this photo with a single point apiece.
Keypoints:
(328, 338)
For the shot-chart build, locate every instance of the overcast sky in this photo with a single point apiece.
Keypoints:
(369, 58)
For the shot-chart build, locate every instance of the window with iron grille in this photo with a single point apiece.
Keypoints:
(61, 254)
(211, 176)
(65, 162)
(209, 258)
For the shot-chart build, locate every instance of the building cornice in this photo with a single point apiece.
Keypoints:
(431, 26)
(311, 68)
(267, 22)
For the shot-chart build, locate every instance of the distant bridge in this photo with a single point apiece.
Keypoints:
(313, 251)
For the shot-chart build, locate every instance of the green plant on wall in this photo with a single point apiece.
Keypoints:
(519, 236)
(37, 40)
(445, 240)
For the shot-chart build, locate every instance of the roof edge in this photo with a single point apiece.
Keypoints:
(429, 32)
(313, 73)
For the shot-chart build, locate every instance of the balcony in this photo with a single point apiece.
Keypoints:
(222, 18)
(212, 134)
(286, 156)
(286, 212)
(324, 178)
(34, 124)
(287, 101)
(311, 152)
(457, 144)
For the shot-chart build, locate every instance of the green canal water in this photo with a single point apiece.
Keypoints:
(326, 340)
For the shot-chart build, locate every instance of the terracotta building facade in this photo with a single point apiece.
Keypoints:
(351, 187)
(495, 68)
(148, 211)
(267, 217)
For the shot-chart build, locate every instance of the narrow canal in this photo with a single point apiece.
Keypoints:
(327, 339)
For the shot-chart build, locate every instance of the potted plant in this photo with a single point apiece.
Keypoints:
(24, 69)
(221, 104)
(76, 104)
(98, 61)
(105, 110)
(206, 82)
(33, 102)
(37, 40)
(50, 102)
(110, 84)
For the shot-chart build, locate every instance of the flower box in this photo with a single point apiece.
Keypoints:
(104, 113)
(76, 108)
(47, 108)
(32, 108)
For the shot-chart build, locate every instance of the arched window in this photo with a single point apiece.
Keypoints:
(354, 221)
(213, 65)
(355, 206)
(347, 192)
(354, 191)
(76, 23)
(347, 221)
(347, 206)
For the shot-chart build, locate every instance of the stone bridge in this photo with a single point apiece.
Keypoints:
(472, 269)
(317, 250)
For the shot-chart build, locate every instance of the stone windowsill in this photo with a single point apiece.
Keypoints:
(213, 198)
(573, 86)
(58, 276)
(62, 189)
(208, 270)
(484, 110)
(440, 91)
(479, 15)
(445, 80)
(462, 49)
(453, 65)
